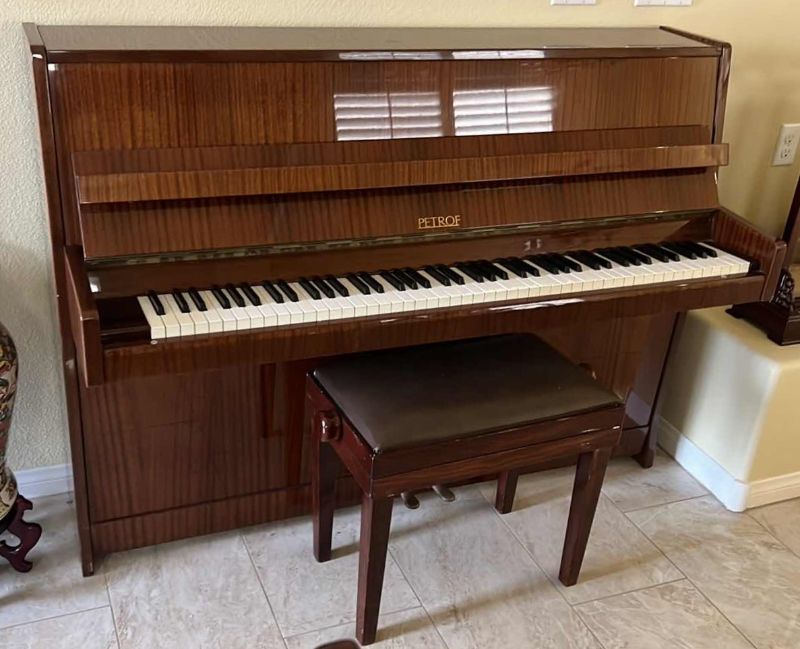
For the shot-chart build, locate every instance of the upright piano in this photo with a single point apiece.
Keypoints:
(229, 205)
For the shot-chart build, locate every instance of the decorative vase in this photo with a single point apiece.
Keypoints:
(12, 504)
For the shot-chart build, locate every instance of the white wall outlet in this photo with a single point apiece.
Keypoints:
(662, 3)
(573, 2)
(786, 150)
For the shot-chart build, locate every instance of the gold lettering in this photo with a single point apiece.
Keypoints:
(436, 222)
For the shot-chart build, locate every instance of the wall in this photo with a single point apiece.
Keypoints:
(765, 91)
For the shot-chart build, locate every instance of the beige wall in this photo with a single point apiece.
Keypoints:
(765, 91)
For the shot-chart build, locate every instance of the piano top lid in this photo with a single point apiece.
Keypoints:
(122, 44)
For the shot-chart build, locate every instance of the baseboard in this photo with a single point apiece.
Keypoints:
(734, 494)
(44, 481)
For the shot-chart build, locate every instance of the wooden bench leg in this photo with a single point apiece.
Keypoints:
(506, 489)
(376, 518)
(324, 470)
(585, 494)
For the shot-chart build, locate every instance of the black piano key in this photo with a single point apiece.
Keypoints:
(543, 262)
(359, 283)
(678, 248)
(438, 275)
(198, 300)
(499, 273)
(671, 256)
(370, 281)
(604, 263)
(156, 303)
(615, 256)
(530, 268)
(640, 256)
(237, 298)
(653, 251)
(309, 288)
(340, 288)
(586, 260)
(423, 281)
(449, 273)
(274, 293)
(183, 305)
(626, 254)
(700, 251)
(709, 251)
(479, 268)
(322, 285)
(510, 265)
(223, 300)
(406, 279)
(250, 294)
(562, 262)
(394, 281)
(287, 290)
(469, 272)
(636, 258)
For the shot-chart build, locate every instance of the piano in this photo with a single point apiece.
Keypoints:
(229, 205)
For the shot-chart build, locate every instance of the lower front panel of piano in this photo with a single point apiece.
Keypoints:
(173, 456)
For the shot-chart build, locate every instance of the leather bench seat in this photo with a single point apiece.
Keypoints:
(431, 393)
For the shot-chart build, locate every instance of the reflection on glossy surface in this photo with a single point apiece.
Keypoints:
(387, 115)
(485, 111)
(494, 111)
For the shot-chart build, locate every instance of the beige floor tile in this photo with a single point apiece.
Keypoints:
(783, 522)
(307, 595)
(202, 592)
(670, 616)
(85, 630)
(631, 487)
(404, 630)
(55, 585)
(748, 575)
(619, 558)
(477, 582)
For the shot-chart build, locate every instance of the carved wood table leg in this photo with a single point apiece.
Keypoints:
(12, 504)
(27, 533)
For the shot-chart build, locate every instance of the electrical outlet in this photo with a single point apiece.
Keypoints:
(662, 3)
(786, 150)
(573, 2)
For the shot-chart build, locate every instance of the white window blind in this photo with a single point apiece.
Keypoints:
(495, 111)
(387, 116)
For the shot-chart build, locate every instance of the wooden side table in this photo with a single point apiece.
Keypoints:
(12, 504)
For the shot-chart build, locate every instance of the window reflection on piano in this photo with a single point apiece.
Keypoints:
(487, 111)
(387, 115)
(494, 111)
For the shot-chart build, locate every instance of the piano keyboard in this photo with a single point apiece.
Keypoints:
(319, 299)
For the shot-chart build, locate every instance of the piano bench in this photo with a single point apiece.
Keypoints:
(405, 419)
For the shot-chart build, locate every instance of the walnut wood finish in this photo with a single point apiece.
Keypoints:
(213, 123)
(385, 475)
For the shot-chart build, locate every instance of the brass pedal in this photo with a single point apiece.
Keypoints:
(444, 493)
(410, 499)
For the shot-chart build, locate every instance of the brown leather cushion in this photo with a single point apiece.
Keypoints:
(420, 395)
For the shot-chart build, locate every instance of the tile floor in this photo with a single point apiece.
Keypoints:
(667, 566)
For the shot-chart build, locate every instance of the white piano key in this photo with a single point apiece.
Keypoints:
(370, 303)
(198, 317)
(185, 324)
(228, 321)
(310, 307)
(267, 307)
(384, 300)
(157, 328)
(454, 296)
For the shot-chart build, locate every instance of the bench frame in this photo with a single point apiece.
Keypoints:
(591, 435)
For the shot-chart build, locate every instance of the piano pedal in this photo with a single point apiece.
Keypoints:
(410, 500)
(444, 493)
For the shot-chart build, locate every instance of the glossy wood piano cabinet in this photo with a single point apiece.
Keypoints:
(180, 157)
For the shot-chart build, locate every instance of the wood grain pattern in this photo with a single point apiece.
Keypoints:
(223, 415)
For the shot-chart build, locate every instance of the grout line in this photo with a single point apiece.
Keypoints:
(327, 627)
(630, 592)
(671, 502)
(419, 599)
(52, 617)
(111, 607)
(263, 590)
(770, 532)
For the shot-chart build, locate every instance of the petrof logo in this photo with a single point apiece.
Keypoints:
(435, 222)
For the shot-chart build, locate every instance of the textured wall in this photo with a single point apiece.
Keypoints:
(765, 91)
